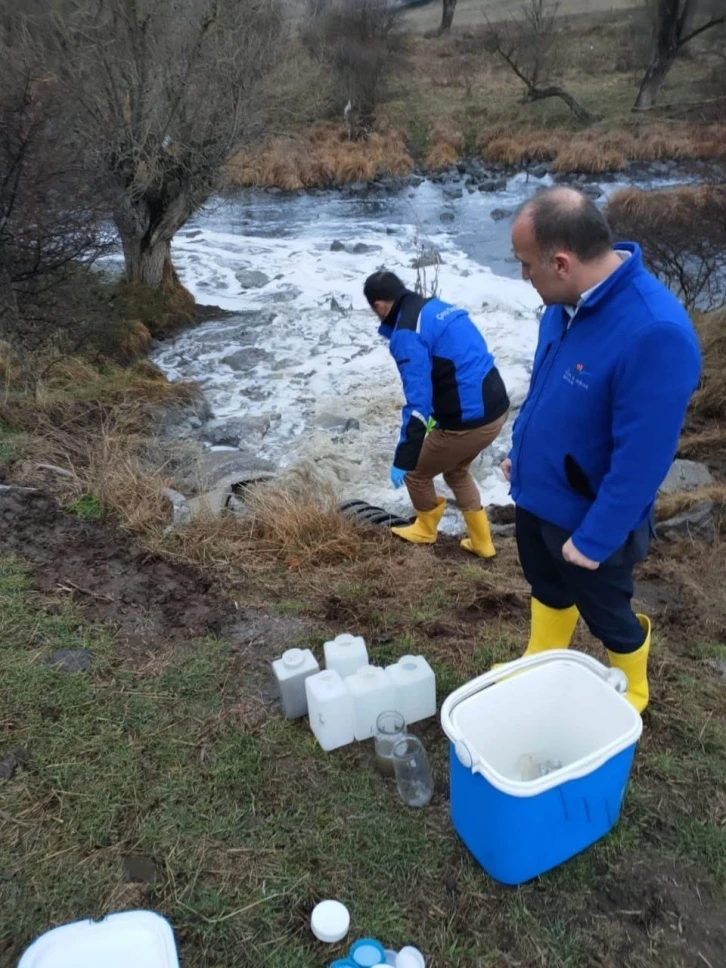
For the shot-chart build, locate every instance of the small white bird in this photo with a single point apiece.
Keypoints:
(347, 110)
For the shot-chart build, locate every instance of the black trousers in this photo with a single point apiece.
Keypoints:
(603, 597)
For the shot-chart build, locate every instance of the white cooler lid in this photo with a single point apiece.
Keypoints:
(132, 939)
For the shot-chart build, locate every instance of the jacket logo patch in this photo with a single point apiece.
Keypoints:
(578, 376)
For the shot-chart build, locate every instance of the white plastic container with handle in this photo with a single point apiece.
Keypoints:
(415, 685)
(372, 692)
(330, 710)
(345, 654)
(291, 672)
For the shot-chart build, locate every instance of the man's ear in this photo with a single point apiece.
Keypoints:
(563, 264)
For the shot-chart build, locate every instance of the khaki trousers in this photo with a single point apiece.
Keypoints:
(450, 452)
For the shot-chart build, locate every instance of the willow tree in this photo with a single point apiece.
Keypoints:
(166, 91)
(675, 24)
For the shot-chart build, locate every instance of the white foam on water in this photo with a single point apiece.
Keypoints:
(318, 366)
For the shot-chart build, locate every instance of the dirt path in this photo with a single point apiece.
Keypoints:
(149, 601)
(472, 13)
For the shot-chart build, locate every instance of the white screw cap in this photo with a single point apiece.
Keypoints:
(330, 921)
(409, 957)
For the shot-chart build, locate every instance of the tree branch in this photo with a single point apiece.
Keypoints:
(713, 22)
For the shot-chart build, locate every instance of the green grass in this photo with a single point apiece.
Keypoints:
(250, 823)
(87, 507)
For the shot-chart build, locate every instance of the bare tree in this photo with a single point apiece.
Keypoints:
(359, 40)
(528, 45)
(447, 16)
(682, 233)
(673, 28)
(166, 91)
(51, 214)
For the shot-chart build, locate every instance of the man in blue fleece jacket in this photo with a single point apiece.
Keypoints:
(449, 376)
(616, 364)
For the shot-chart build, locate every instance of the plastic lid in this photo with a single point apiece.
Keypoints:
(293, 657)
(138, 938)
(410, 957)
(391, 956)
(366, 953)
(330, 921)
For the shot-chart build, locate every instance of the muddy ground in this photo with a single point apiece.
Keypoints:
(649, 911)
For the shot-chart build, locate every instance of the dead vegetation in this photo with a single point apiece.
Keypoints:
(322, 156)
(594, 151)
(683, 236)
(445, 145)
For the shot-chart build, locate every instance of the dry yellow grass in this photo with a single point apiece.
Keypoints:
(323, 155)
(596, 150)
(669, 505)
(446, 144)
(710, 399)
(588, 158)
(136, 341)
(114, 472)
(691, 202)
(283, 525)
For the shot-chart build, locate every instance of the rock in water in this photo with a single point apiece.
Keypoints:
(251, 278)
(429, 257)
(501, 213)
(447, 216)
(686, 475)
(360, 248)
(495, 185)
(337, 246)
(453, 193)
(246, 359)
(227, 433)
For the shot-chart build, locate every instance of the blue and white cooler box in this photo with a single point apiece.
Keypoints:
(540, 756)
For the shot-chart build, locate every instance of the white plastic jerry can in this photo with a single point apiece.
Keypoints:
(415, 688)
(372, 693)
(345, 654)
(330, 709)
(291, 671)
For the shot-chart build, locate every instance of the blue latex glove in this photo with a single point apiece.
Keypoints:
(397, 477)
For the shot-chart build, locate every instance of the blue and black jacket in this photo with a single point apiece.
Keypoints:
(609, 391)
(447, 371)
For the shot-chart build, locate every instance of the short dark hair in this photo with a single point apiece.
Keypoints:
(383, 286)
(563, 218)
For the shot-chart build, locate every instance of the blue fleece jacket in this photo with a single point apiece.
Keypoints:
(600, 426)
(446, 369)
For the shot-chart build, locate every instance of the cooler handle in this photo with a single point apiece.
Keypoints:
(613, 677)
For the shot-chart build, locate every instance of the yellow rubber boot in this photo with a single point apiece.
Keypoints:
(635, 667)
(552, 628)
(425, 527)
(479, 541)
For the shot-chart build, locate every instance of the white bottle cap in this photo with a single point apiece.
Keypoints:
(409, 957)
(293, 657)
(409, 663)
(330, 921)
